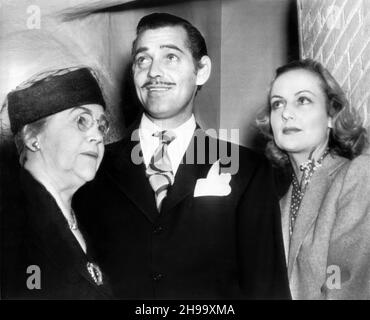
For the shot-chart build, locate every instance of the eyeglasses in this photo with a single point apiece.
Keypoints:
(85, 121)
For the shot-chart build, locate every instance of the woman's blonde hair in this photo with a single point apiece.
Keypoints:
(347, 136)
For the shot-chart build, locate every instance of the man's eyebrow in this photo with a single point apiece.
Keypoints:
(163, 46)
(301, 91)
(276, 96)
(141, 49)
(171, 46)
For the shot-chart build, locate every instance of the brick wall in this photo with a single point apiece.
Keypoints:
(337, 33)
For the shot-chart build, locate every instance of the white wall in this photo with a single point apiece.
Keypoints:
(254, 43)
(246, 39)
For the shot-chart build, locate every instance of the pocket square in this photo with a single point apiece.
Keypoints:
(215, 184)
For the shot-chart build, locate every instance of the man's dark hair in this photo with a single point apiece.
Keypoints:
(196, 42)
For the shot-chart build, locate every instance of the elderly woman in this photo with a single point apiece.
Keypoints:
(326, 211)
(59, 125)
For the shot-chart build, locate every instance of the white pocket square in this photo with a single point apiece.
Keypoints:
(215, 184)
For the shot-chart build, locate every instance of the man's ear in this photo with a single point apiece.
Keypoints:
(204, 70)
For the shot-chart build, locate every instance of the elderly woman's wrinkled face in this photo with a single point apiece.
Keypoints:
(299, 118)
(72, 151)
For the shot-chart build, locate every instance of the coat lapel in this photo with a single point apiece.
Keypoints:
(50, 231)
(129, 176)
(310, 206)
(285, 209)
(132, 181)
(189, 171)
(184, 185)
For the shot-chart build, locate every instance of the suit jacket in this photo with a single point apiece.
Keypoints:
(35, 233)
(210, 247)
(333, 204)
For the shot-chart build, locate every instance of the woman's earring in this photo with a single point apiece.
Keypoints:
(330, 123)
(36, 145)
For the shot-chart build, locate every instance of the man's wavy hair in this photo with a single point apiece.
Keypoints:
(195, 42)
(347, 138)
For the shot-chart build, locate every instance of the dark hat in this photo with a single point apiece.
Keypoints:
(51, 94)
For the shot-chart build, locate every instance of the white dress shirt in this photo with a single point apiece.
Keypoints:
(176, 149)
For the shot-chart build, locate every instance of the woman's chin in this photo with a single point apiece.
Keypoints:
(86, 175)
(290, 147)
(90, 176)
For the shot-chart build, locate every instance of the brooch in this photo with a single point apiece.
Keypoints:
(95, 273)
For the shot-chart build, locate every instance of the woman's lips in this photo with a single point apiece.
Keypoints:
(291, 130)
(92, 154)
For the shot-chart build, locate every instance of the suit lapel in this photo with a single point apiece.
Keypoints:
(132, 181)
(189, 171)
(130, 177)
(310, 206)
(185, 181)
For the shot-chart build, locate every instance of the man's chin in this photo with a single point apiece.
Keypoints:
(156, 112)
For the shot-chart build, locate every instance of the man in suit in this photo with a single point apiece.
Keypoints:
(172, 216)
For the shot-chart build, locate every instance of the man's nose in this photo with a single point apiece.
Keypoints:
(155, 69)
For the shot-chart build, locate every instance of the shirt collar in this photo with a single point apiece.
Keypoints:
(176, 149)
(148, 127)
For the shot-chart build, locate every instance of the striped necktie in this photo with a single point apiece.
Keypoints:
(159, 171)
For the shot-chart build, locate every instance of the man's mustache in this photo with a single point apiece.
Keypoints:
(157, 82)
